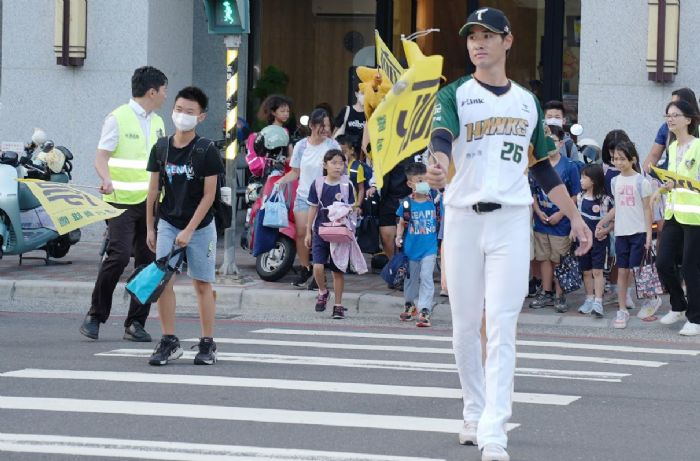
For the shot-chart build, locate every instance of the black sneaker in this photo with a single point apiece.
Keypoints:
(207, 352)
(534, 287)
(302, 277)
(136, 333)
(312, 285)
(542, 300)
(90, 327)
(338, 312)
(560, 304)
(321, 301)
(166, 350)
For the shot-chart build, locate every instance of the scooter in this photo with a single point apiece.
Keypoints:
(24, 225)
(276, 263)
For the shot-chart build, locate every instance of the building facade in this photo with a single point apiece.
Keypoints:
(590, 53)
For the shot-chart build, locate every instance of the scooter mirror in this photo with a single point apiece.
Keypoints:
(576, 129)
(304, 120)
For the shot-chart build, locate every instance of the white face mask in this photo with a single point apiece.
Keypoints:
(184, 122)
(360, 98)
(554, 121)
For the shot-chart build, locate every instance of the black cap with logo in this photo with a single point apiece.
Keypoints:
(491, 18)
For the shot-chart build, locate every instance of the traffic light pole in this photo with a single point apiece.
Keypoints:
(236, 84)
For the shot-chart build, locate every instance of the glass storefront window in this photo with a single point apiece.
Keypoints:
(571, 58)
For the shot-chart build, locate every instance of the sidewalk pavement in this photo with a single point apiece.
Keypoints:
(67, 289)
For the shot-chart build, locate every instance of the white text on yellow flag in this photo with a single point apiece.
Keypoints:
(69, 208)
(386, 61)
(401, 124)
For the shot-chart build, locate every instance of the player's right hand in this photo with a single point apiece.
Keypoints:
(436, 176)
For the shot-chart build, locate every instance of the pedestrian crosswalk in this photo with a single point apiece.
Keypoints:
(333, 366)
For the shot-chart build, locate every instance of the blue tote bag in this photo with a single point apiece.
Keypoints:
(276, 213)
(149, 280)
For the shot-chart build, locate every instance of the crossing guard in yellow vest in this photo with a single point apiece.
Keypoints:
(128, 134)
(681, 231)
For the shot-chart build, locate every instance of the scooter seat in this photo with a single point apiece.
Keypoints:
(27, 200)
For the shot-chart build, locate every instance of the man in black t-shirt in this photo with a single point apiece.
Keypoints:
(188, 167)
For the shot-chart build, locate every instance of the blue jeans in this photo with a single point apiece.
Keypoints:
(420, 284)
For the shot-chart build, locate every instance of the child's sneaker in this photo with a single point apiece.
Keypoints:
(542, 300)
(409, 312)
(560, 304)
(321, 301)
(338, 312)
(586, 307)
(649, 308)
(597, 309)
(166, 350)
(621, 319)
(423, 319)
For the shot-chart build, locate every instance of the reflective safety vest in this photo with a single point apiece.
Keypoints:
(127, 165)
(684, 204)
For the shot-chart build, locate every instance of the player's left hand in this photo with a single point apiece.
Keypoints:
(582, 234)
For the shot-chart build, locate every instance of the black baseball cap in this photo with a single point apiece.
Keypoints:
(491, 18)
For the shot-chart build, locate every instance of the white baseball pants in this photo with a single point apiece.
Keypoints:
(487, 259)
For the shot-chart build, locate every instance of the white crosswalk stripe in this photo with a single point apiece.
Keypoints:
(429, 350)
(376, 364)
(143, 449)
(414, 337)
(286, 384)
(341, 350)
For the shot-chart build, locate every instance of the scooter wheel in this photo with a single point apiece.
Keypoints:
(276, 263)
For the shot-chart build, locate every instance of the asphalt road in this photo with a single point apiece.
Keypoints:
(326, 390)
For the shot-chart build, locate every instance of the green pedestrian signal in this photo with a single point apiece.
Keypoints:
(228, 17)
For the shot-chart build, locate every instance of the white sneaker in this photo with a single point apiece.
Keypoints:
(467, 436)
(649, 308)
(672, 317)
(494, 452)
(621, 320)
(690, 329)
(629, 302)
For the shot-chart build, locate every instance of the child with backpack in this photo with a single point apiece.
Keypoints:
(418, 217)
(357, 170)
(324, 193)
(632, 215)
(594, 205)
(188, 168)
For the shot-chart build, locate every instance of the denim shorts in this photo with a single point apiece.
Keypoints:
(200, 252)
(301, 205)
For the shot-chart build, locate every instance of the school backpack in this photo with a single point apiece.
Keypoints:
(639, 181)
(407, 209)
(223, 213)
(396, 271)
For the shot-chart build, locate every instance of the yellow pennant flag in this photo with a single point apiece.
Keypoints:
(386, 61)
(682, 182)
(67, 207)
(400, 126)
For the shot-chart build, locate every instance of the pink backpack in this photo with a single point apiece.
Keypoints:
(338, 231)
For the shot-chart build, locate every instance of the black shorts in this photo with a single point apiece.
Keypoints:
(629, 250)
(595, 258)
(387, 211)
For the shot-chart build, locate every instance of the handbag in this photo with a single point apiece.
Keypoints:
(276, 213)
(335, 232)
(149, 280)
(646, 278)
(368, 230)
(396, 271)
(568, 273)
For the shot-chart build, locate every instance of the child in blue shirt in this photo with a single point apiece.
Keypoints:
(418, 216)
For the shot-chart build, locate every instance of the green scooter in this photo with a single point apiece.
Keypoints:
(24, 226)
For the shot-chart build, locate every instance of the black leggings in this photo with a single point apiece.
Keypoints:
(680, 245)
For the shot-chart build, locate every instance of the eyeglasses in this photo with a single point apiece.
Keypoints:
(673, 116)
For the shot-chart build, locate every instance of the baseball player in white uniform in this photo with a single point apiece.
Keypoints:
(493, 130)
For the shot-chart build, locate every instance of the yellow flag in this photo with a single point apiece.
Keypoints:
(386, 61)
(69, 208)
(683, 182)
(400, 126)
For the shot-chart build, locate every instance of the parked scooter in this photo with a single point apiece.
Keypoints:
(271, 146)
(24, 225)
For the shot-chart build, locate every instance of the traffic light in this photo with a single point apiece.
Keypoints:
(226, 17)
